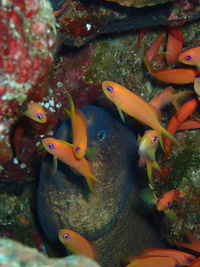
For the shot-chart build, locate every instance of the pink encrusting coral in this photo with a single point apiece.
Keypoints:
(27, 41)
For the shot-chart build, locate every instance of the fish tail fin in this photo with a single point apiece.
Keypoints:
(167, 134)
(171, 215)
(90, 183)
(180, 95)
(148, 196)
(71, 104)
(150, 166)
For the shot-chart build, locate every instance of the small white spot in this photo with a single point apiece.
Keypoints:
(22, 165)
(52, 109)
(88, 26)
(59, 84)
(15, 161)
(51, 133)
(46, 105)
(38, 143)
(42, 135)
(58, 105)
(51, 102)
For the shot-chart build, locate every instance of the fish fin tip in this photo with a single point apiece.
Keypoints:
(171, 215)
(148, 196)
(71, 104)
(121, 114)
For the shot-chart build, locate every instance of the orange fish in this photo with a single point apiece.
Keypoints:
(77, 244)
(162, 203)
(176, 76)
(193, 244)
(182, 258)
(168, 95)
(190, 124)
(152, 261)
(136, 107)
(153, 50)
(63, 151)
(60, 11)
(195, 263)
(191, 57)
(148, 144)
(79, 129)
(36, 112)
(174, 43)
(183, 113)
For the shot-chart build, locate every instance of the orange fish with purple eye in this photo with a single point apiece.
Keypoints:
(77, 244)
(152, 261)
(36, 112)
(164, 202)
(191, 57)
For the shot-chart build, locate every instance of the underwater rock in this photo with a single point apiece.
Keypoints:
(112, 219)
(14, 254)
(82, 21)
(27, 40)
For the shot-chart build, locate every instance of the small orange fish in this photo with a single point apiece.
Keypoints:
(79, 129)
(63, 151)
(148, 144)
(190, 124)
(77, 244)
(176, 76)
(191, 57)
(195, 263)
(162, 203)
(152, 261)
(183, 113)
(182, 258)
(168, 95)
(153, 50)
(174, 43)
(193, 244)
(136, 107)
(166, 200)
(36, 112)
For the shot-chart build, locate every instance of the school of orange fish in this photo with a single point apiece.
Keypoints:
(136, 107)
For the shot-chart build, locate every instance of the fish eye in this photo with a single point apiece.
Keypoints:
(154, 139)
(66, 236)
(169, 204)
(188, 57)
(198, 76)
(77, 149)
(39, 116)
(189, 260)
(101, 135)
(51, 146)
(109, 88)
(161, 197)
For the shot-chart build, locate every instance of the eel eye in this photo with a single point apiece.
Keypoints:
(154, 139)
(66, 236)
(39, 116)
(101, 135)
(77, 149)
(109, 88)
(51, 146)
(188, 58)
(169, 204)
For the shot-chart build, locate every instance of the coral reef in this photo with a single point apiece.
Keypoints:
(14, 254)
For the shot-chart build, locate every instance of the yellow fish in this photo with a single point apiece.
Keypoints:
(63, 151)
(36, 112)
(77, 244)
(148, 144)
(79, 129)
(191, 57)
(136, 107)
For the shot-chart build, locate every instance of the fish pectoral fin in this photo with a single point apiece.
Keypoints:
(171, 215)
(149, 172)
(148, 196)
(121, 114)
(55, 164)
(138, 139)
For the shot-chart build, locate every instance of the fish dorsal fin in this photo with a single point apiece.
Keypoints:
(71, 104)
